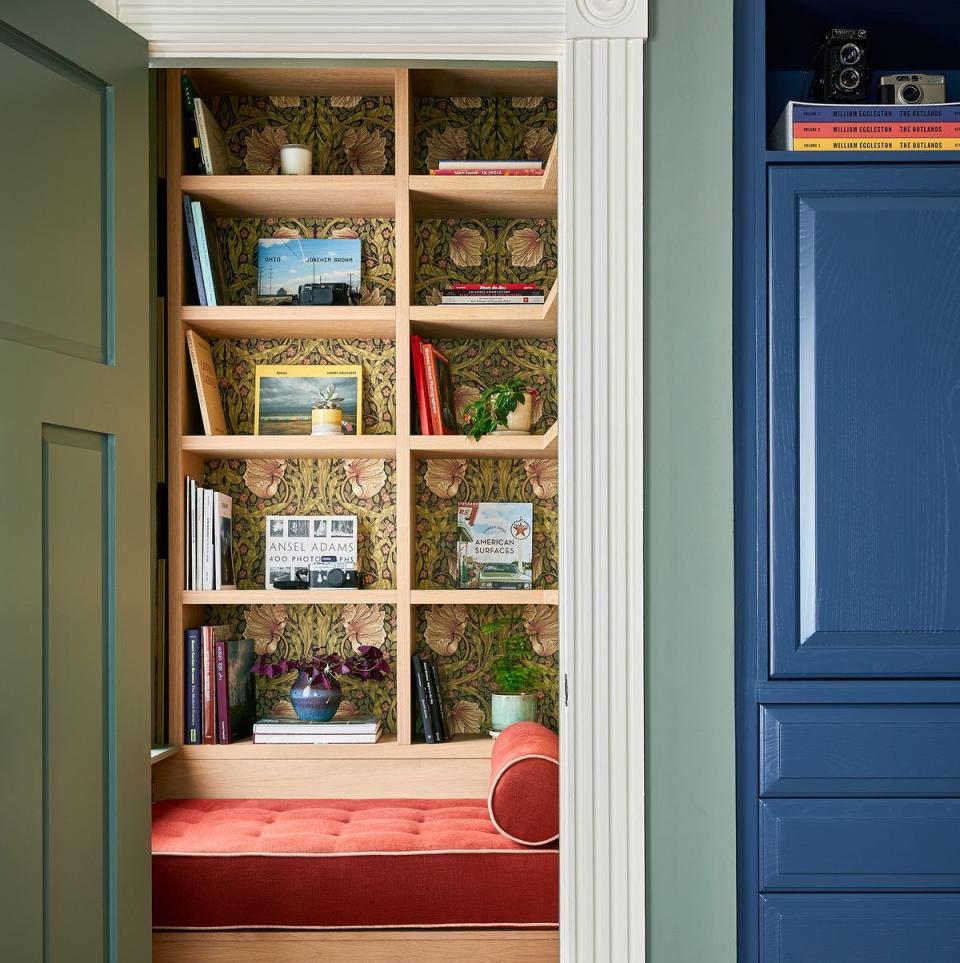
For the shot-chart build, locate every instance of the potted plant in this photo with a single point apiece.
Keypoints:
(316, 694)
(506, 408)
(515, 674)
(326, 416)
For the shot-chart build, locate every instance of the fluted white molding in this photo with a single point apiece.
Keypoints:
(601, 511)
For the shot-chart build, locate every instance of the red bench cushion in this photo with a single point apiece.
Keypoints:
(336, 863)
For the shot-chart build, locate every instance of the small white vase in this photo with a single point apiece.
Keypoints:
(296, 159)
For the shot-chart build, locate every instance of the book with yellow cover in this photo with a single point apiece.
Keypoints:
(877, 143)
(308, 399)
(205, 379)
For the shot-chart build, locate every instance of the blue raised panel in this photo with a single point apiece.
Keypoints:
(841, 928)
(864, 430)
(859, 844)
(860, 750)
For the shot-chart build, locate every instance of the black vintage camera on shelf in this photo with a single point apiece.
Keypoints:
(842, 69)
(323, 577)
(324, 293)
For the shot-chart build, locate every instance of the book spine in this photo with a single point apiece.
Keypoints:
(433, 679)
(194, 250)
(475, 163)
(294, 740)
(462, 286)
(207, 669)
(420, 380)
(223, 694)
(204, 139)
(208, 539)
(420, 686)
(432, 699)
(486, 172)
(914, 130)
(193, 693)
(203, 247)
(433, 390)
(466, 301)
(198, 382)
(873, 144)
(878, 113)
(192, 135)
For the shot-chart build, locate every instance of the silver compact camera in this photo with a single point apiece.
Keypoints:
(910, 89)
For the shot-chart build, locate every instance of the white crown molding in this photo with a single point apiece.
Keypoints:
(601, 478)
(302, 29)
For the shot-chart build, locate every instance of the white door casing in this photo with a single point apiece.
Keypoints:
(598, 45)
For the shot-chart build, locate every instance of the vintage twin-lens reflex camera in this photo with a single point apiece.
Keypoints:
(842, 70)
(913, 89)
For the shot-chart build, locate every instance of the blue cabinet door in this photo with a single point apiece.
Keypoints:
(864, 421)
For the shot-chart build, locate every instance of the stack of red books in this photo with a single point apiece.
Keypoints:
(496, 293)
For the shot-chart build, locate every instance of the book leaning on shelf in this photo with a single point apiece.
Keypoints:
(201, 234)
(867, 127)
(219, 698)
(208, 539)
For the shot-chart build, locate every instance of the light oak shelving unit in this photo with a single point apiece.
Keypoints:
(396, 766)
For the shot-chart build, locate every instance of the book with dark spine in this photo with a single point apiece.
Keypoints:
(191, 230)
(433, 679)
(193, 692)
(433, 698)
(420, 694)
(236, 698)
(190, 132)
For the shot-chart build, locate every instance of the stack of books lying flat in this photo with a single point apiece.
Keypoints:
(466, 294)
(867, 127)
(490, 168)
(280, 730)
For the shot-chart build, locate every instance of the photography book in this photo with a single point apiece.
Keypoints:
(205, 381)
(422, 699)
(420, 386)
(223, 541)
(495, 545)
(300, 541)
(211, 271)
(208, 539)
(358, 725)
(236, 695)
(213, 146)
(439, 387)
(308, 399)
(312, 272)
(867, 127)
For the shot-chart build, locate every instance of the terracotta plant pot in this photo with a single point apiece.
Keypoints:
(520, 419)
(326, 421)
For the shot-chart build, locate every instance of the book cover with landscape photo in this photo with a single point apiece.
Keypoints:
(495, 545)
(286, 396)
(308, 271)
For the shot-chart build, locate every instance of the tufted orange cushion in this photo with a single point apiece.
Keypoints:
(524, 800)
(338, 863)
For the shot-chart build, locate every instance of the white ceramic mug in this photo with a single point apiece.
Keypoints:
(295, 159)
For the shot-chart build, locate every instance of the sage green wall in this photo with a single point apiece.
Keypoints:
(691, 854)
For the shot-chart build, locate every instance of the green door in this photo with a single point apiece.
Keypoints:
(75, 517)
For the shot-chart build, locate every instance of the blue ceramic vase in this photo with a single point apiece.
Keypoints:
(315, 703)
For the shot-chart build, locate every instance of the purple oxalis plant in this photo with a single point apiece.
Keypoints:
(368, 663)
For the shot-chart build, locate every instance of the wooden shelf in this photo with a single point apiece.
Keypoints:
(159, 753)
(245, 321)
(273, 195)
(485, 597)
(460, 747)
(488, 320)
(290, 446)
(483, 196)
(491, 446)
(305, 81)
(281, 597)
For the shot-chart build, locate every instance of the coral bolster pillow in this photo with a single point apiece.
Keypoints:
(524, 798)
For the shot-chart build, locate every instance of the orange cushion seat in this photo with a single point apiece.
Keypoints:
(345, 863)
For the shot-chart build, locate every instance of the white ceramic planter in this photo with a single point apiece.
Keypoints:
(520, 419)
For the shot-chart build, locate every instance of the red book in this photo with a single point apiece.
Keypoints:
(208, 675)
(877, 129)
(487, 172)
(461, 286)
(443, 420)
(420, 379)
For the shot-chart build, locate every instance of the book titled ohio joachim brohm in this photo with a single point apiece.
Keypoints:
(495, 545)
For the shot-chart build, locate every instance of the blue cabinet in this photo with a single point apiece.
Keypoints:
(864, 421)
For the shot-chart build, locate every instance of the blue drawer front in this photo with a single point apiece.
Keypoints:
(860, 750)
(859, 844)
(860, 929)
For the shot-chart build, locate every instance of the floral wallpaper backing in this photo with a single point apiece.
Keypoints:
(512, 250)
(486, 128)
(450, 635)
(285, 632)
(237, 241)
(444, 482)
(236, 361)
(347, 134)
(365, 487)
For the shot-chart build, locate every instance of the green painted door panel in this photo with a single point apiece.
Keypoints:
(75, 492)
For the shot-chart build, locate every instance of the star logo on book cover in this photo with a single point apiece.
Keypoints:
(520, 529)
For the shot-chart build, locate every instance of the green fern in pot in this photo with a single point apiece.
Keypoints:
(516, 676)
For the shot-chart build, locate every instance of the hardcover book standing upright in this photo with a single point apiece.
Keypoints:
(495, 545)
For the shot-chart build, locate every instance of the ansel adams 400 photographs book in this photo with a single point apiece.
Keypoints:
(308, 271)
(495, 545)
(297, 542)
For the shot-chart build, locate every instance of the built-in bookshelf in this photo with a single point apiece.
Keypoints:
(404, 197)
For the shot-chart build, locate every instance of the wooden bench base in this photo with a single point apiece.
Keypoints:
(358, 946)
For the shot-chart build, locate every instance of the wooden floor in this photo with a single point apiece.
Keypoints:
(369, 946)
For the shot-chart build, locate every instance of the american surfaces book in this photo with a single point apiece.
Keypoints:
(236, 696)
(308, 271)
(299, 541)
(205, 381)
(495, 545)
